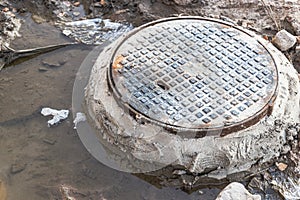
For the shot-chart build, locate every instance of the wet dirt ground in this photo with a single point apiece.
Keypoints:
(37, 162)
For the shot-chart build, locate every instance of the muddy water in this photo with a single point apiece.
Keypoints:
(36, 161)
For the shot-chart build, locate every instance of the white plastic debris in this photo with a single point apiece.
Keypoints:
(67, 32)
(80, 117)
(58, 115)
(94, 31)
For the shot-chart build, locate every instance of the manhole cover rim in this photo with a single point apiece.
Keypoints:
(226, 127)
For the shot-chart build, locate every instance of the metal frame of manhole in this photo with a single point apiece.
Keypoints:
(193, 74)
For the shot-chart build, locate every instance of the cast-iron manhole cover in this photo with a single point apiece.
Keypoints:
(192, 74)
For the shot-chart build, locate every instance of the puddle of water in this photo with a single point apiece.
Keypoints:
(36, 160)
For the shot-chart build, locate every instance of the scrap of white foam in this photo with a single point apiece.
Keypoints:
(58, 115)
(80, 117)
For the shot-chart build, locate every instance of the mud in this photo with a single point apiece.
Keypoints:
(27, 142)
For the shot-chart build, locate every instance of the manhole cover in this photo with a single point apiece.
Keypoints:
(192, 74)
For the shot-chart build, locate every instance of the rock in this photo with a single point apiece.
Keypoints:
(43, 69)
(281, 166)
(292, 23)
(179, 172)
(286, 148)
(76, 4)
(3, 193)
(76, 14)
(256, 184)
(284, 40)
(235, 191)
(103, 2)
(49, 141)
(38, 19)
(53, 63)
(6, 9)
(89, 173)
(200, 192)
(17, 167)
(183, 2)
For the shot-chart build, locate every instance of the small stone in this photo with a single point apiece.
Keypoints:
(290, 138)
(294, 144)
(236, 191)
(200, 192)
(119, 12)
(6, 9)
(285, 149)
(67, 3)
(281, 166)
(292, 21)
(103, 2)
(284, 40)
(3, 3)
(51, 63)
(89, 173)
(49, 141)
(179, 172)
(10, 27)
(183, 2)
(256, 183)
(43, 69)
(97, 5)
(17, 167)
(77, 3)
(38, 19)
(76, 14)
(294, 132)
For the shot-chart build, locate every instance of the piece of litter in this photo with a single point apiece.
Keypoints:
(100, 30)
(58, 115)
(67, 32)
(80, 117)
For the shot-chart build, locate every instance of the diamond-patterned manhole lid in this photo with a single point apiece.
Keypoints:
(193, 74)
